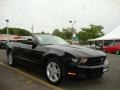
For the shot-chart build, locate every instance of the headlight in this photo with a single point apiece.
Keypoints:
(81, 60)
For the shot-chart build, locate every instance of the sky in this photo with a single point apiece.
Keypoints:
(46, 15)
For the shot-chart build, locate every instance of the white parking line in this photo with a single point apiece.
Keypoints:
(32, 77)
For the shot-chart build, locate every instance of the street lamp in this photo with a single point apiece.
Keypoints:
(7, 21)
(72, 24)
(32, 28)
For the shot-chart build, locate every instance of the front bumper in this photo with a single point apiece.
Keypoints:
(80, 69)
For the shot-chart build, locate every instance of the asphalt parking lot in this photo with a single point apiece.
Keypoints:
(21, 78)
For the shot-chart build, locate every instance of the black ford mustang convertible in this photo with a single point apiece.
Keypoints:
(57, 58)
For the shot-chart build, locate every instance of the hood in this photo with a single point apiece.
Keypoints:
(78, 51)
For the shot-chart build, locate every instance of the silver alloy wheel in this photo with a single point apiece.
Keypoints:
(53, 71)
(10, 59)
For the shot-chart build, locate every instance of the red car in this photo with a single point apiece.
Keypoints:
(112, 49)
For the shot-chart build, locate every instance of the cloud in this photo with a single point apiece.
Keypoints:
(50, 14)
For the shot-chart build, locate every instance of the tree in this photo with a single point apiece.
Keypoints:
(67, 33)
(16, 31)
(56, 32)
(92, 32)
(42, 32)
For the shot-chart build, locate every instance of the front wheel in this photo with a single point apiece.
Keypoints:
(55, 71)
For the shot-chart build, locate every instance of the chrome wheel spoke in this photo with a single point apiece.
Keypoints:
(53, 71)
(55, 76)
(49, 68)
(57, 71)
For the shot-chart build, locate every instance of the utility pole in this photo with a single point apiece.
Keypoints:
(32, 28)
(7, 21)
(72, 23)
(72, 26)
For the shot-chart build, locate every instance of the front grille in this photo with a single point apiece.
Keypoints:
(95, 61)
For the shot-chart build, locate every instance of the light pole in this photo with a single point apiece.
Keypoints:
(7, 21)
(72, 24)
(32, 28)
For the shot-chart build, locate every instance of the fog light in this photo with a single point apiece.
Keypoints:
(71, 73)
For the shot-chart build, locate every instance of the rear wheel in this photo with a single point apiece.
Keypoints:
(118, 52)
(55, 71)
(10, 59)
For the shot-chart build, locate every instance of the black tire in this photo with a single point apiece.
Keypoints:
(10, 59)
(117, 52)
(62, 75)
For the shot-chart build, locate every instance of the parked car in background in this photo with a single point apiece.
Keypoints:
(112, 49)
(57, 58)
(3, 43)
(112, 46)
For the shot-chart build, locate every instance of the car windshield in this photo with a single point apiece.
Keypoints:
(51, 40)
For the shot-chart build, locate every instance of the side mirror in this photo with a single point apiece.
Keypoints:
(34, 45)
(29, 39)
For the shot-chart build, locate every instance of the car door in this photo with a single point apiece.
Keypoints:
(22, 50)
(31, 55)
(111, 49)
(18, 49)
(37, 53)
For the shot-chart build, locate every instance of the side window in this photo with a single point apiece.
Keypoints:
(26, 40)
(29, 41)
(108, 43)
(117, 43)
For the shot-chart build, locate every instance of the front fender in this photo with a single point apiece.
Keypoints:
(57, 53)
